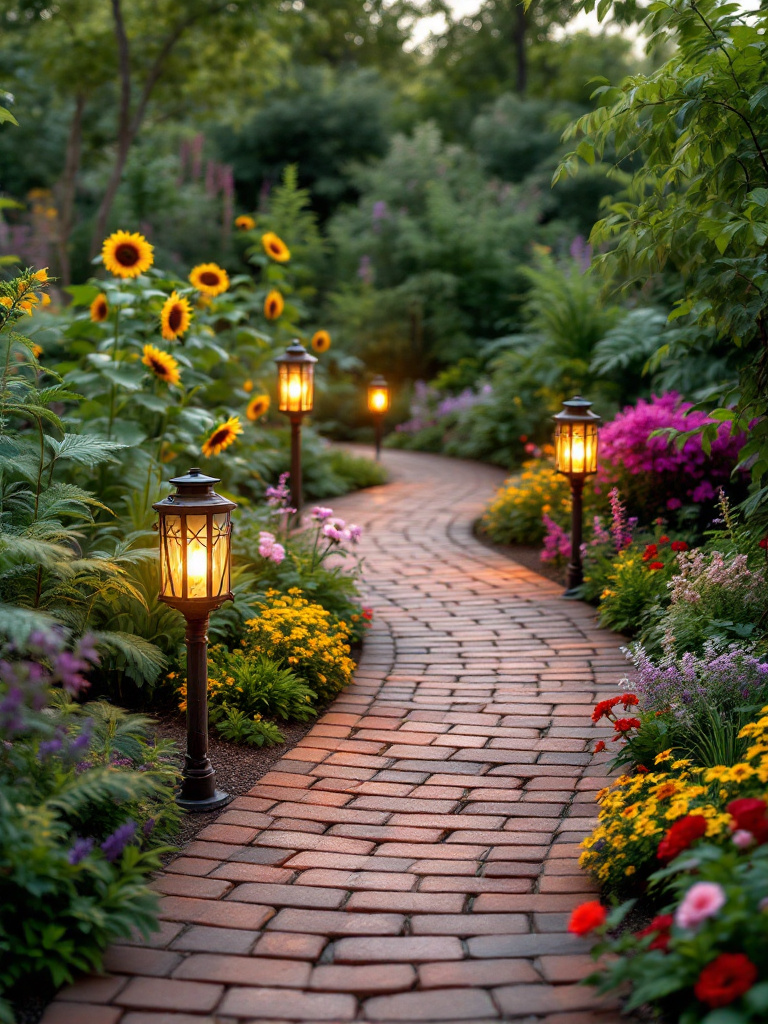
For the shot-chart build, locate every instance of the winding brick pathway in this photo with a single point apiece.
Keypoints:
(414, 858)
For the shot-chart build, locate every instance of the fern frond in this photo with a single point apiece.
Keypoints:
(141, 660)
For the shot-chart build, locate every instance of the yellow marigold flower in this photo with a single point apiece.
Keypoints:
(739, 772)
(41, 275)
(222, 437)
(163, 365)
(274, 304)
(37, 350)
(175, 317)
(665, 755)
(321, 341)
(275, 247)
(244, 222)
(210, 279)
(6, 301)
(630, 870)
(257, 407)
(715, 774)
(127, 254)
(45, 299)
(681, 763)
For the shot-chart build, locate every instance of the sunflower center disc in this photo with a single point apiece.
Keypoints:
(127, 255)
(209, 278)
(174, 318)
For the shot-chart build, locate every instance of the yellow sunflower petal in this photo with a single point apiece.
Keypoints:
(163, 365)
(210, 279)
(321, 341)
(275, 247)
(274, 304)
(222, 437)
(127, 254)
(175, 317)
(257, 407)
(99, 309)
(245, 223)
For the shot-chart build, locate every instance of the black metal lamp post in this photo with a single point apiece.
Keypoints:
(195, 526)
(576, 457)
(296, 392)
(379, 399)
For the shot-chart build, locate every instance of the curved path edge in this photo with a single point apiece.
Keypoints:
(415, 857)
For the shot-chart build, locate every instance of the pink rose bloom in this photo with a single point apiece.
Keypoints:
(702, 900)
(742, 838)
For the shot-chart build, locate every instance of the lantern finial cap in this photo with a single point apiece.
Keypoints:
(577, 410)
(295, 353)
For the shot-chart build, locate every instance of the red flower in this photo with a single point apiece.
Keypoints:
(763, 543)
(659, 926)
(749, 813)
(604, 707)
(664, 539)
(679, 545)
(680, 836)
(641, 769)
(367, 613)
(599, 747)
(650, 551)
(625, 724)
(656, 565)
(587, 917)
(726, 978)
(629, 699)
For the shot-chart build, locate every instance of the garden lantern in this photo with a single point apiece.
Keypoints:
(576, 457)
(296, 392)
(195, 526)
(378, 405)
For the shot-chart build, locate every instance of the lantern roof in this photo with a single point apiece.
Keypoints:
(577, 410)
(295, 353)
(378, 382)
(195, 493)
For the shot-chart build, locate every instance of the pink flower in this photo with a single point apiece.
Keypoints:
(320, 513)
(702, 900)
(332, 533)
(355, 533)
(278, 553)
(269, 548)
(742, 839)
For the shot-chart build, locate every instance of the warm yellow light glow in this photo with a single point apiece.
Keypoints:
(377, 401)
(576, 448)
(197, 571)
(295, 388)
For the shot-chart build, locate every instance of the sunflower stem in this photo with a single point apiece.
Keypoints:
(113, 390)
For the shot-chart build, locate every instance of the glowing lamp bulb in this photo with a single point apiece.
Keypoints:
(294, 389)
(197, 564)
(378, 401)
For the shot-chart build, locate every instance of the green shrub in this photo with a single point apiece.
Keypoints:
(257, 686)
(81, 790)
(236, 727)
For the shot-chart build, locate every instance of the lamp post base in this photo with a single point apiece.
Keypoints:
(212, 803)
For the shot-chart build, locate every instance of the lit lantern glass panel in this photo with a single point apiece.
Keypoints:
(576, 438)
(296, 383)
(378, 395)
(195, 528)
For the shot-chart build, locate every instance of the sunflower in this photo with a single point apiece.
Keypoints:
(321, 341)
(99, 309)
(222, 437)
(274, 304)
(245, 223)
(209, 279)
(175, 317)
(275, 247)
(257, 407)
(127, 255)
(248, 386)
(161, 364)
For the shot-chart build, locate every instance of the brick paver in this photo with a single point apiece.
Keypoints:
(415, 857)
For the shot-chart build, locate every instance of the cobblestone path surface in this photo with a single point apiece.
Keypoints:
(414, 858)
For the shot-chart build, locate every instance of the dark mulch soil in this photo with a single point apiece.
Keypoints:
(238, 768)
(528, 555)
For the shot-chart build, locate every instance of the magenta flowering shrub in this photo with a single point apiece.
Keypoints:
(557, 542)
(652, 473)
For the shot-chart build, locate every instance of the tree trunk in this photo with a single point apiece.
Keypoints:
(521, 55)
(68, 188)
